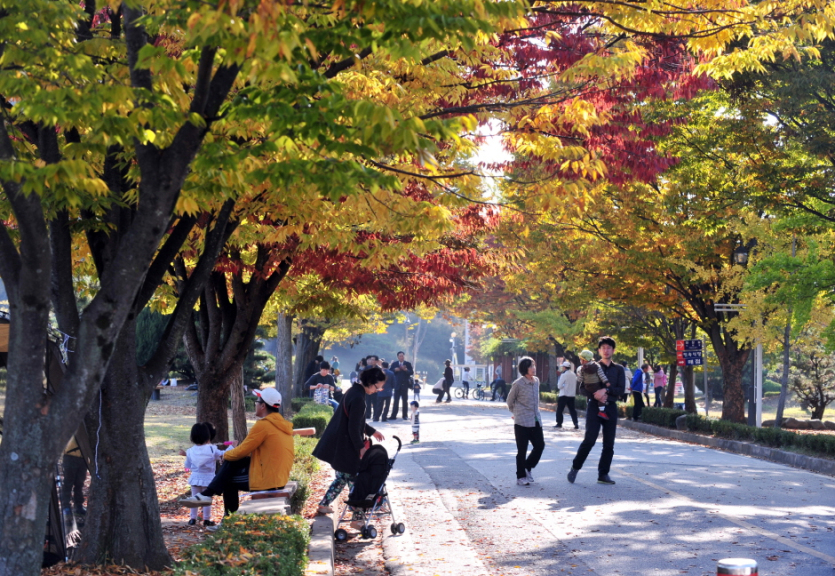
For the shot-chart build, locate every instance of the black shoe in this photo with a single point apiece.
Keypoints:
(576, 427)
(208, 523)
(192, 522)
(605, 480)
(81, 511)
(385, 419)
(376, 420)
(557, 426)
(572, 475)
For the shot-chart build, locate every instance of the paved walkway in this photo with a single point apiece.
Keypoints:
(676, 508)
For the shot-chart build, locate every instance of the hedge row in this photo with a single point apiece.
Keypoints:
(304, 466)
(551, 398)
(250, 545)
(665, 417)
(775, 437)
(297, 403)
(312, 415)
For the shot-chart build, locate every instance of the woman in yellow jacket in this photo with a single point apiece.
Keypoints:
(261, 462)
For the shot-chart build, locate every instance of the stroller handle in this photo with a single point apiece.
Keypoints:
(399, 443)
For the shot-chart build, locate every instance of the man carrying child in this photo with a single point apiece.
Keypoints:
(615, 386)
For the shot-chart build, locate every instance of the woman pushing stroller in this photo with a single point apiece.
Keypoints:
(343, 443)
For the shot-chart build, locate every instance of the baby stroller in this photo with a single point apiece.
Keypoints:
(368, 498)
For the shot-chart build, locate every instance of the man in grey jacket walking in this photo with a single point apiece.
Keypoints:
(523, 401)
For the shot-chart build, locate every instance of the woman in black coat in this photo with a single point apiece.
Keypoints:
(448, 380)
(342, 444)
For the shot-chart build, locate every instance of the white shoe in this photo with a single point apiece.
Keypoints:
(529, 477)
(215, 528)
(522, 482)
(196, 501)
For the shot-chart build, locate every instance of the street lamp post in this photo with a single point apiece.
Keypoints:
(452, 349)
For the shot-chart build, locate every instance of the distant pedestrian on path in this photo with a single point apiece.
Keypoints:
(617, 386)
(403, 373)
(638, 386)
(448, 380)
(414, 418)
(567, 387)
(499, 388)
(523, 401)
(659, 382)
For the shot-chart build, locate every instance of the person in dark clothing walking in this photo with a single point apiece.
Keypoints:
(499, 387)
(371, 400)
(616, 387)
(342, 444)
(384, 395)
(637, 386)
(403, 373)
(448, 380)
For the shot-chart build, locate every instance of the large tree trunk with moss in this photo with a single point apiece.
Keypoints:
(236, 389)
(123, 519)
(284, 361)
(308, 342)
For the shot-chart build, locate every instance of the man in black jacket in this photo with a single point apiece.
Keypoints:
(402, 374)
(614, 389)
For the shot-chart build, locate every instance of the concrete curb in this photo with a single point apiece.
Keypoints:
(321, 549)
(820, 465)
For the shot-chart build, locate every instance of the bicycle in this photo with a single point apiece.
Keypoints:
(460, 393)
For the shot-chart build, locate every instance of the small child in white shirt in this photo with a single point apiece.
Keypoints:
(414, 418)
(200, 460)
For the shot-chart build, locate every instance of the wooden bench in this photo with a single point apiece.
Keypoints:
(155, 393)
(270, 501)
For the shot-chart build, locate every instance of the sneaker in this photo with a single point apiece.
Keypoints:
(529, 476)
(447, 401)
(603, 414)
(522, 482)
(208, 523)
(196, 501)
(558, 426)
(605, 480)
(322, 509)
(192, 522)
(414, 441)
(214, 527)
(572, 475)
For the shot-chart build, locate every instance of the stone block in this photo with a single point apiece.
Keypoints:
(768, 423)
(816, 424)
(829, 424)
(790, 423)
(681, 422)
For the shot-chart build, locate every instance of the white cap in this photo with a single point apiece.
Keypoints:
(566, 364)
(270, 396)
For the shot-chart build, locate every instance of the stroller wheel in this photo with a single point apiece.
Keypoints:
(401, 528)
(369, 532)
(340, 535)
(394, 529)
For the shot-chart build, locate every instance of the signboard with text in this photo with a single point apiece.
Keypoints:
(689, 352)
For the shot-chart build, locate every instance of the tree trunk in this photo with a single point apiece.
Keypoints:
(670, 392)
(308, 342)
(236, 389)
(784, 378)
(733, 397)
(284, 361)
(212, 402)
(123, 518)
(689, 390)
(817, 411)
